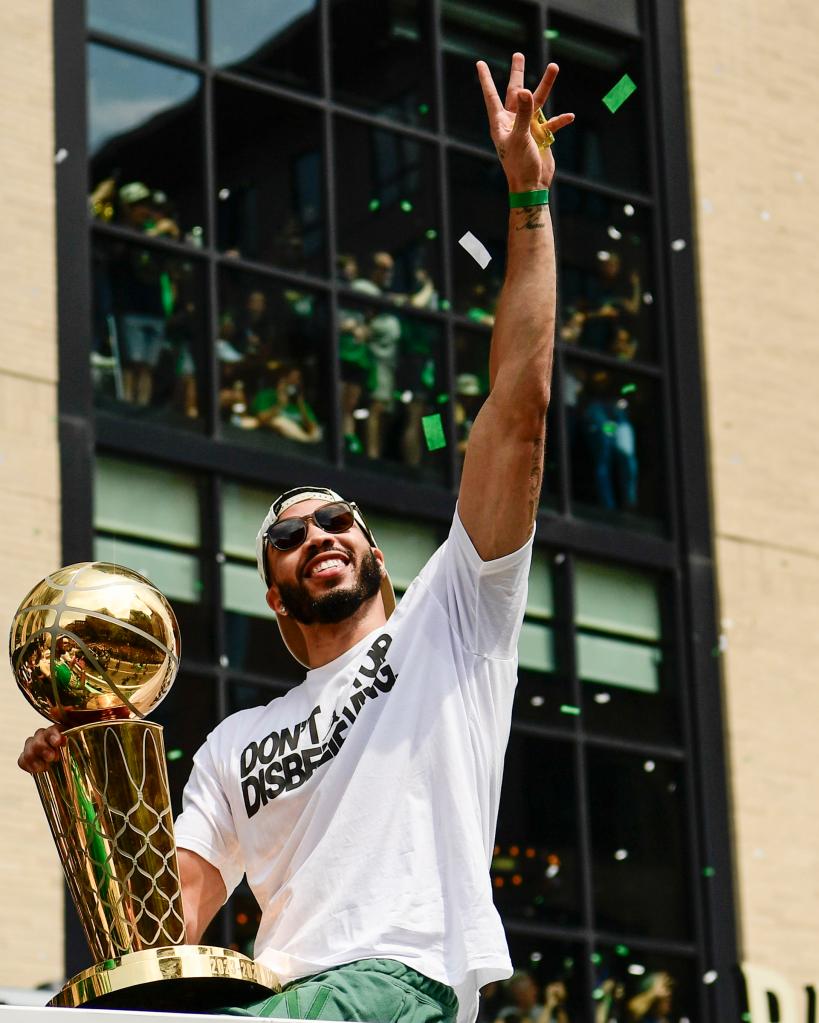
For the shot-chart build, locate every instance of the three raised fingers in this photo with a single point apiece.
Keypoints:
(545, 85)
(515, 81)
(490, 93)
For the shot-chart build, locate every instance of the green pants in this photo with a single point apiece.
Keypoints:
(367, 991)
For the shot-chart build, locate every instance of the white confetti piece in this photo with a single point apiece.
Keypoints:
(708, 206)
(559, 559)
(223, 661)
(648, 298)
(628, 209)
(476, 249)
(621, 854)
(798, 177)
(765, 215)
(602, 697)
(710, 977)
(614, 234)
(678, 244)
(60, 155)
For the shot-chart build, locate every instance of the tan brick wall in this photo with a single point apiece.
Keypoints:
(31, 913)
(753, 80)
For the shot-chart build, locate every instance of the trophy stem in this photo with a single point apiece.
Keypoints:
(107, 804)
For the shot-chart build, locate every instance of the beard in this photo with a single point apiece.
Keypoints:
(335, 605)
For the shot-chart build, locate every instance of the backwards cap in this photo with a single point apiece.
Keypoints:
(291, 634)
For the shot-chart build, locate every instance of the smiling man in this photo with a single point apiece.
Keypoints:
(362, 804)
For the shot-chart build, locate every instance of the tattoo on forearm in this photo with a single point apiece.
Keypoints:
(501, 151)
(536, 474)
(530, 218)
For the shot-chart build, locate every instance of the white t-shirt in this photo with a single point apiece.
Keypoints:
(362, 804)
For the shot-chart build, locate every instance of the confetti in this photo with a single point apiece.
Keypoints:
(765, 215)
(613, 233)
(552, 870)
(434, 432)
(596, 958)
(708, 206)
(444, 304)
(374, 204)
(636, 969)
(60, 155)
(603, 256)
(708, 872)
(610, 428)
(175, 754)
(551, 33)
(568, 708)
(617, 96)
(423, 109)
(442, 399)
(678, 244)
(559, 559)
(710, 977)
(476, 249)
(649, 766)
(621, 854)
(798, 177)
(361, 413)
(628, 388)
(223, 661)
(406, 206)
(602, 697)
(220, 558)
(224, 193)
(628, 209)
(621, 950)
(648, 298)
(405, 397)
(537, 701)
(431, 234)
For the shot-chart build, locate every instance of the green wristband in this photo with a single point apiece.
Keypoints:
(539, 197)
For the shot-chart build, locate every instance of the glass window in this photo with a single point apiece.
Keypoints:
(187, 714)
(243, 510)
(386, 191)
(253, 642)
(615, 444)
(243, 918)
(391, 39)
(148, 332)
(475, 30)
(407, 545)
(640, 862)
(158, 539)
(170, 26)
(144, 142)
(477, 191)
(392, 377)
(269, 179)
(607, 301)
(632, 984)
(600, 145)
(276, 40)
(272, 349)
(549, 975)
(535, 864)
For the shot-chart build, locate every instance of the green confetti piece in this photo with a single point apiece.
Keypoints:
(444, 304)
(708, 871)
(746, 1017)
(628, 388)
(617, 96)
(621, 950)
(406, 206)
(442, 399)
(375, 204)
(175, 754)
(568, 708)
(551, 33)
(434, 431)
(423, 109)
(596, 958)
(431, 233)
(609, 428)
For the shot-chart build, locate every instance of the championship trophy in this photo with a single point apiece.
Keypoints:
(95, 647)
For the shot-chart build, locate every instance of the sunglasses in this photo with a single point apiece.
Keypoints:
(288, 534)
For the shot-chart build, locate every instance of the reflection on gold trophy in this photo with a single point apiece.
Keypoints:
(95, 647)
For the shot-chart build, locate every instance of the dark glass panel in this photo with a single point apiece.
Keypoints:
(600, 145)
(640, 865)
(243, 919)
(188, 713)
(144, 143)
(549, 975)
(276, 40)
(247, 695)
(149, 329)
(386, 191)
(382, 59)
(269, 179)
(253, 642)
(272, 350)
(170, 26)
(613, 418)
(392, 377)
(536, 864)
(489, 31)
(643, 987)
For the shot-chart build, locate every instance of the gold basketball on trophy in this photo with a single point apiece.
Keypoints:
(94, 642)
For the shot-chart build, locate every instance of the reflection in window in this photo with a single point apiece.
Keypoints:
(392, 376)
(535, 866)
(144, 139)
(386, 193)
(605, 262)
(391, 39)
(272, 363)
(158, 539)
(277, 40)
(631, 984)
(170, 27)
(549, 975)
(477, 190)
(407, 545)
(600, 145)
(614, 443)
(148, 321)
(488, 31)
(639, 853)
(270, 179)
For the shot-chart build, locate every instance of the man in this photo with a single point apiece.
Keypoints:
(362, 804)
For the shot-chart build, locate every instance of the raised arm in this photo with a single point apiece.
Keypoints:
(503, 467)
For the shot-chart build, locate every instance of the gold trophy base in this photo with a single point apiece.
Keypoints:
(173, 978)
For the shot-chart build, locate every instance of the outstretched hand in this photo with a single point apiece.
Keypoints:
(527, 167)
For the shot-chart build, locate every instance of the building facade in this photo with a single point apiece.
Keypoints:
(235, 267)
